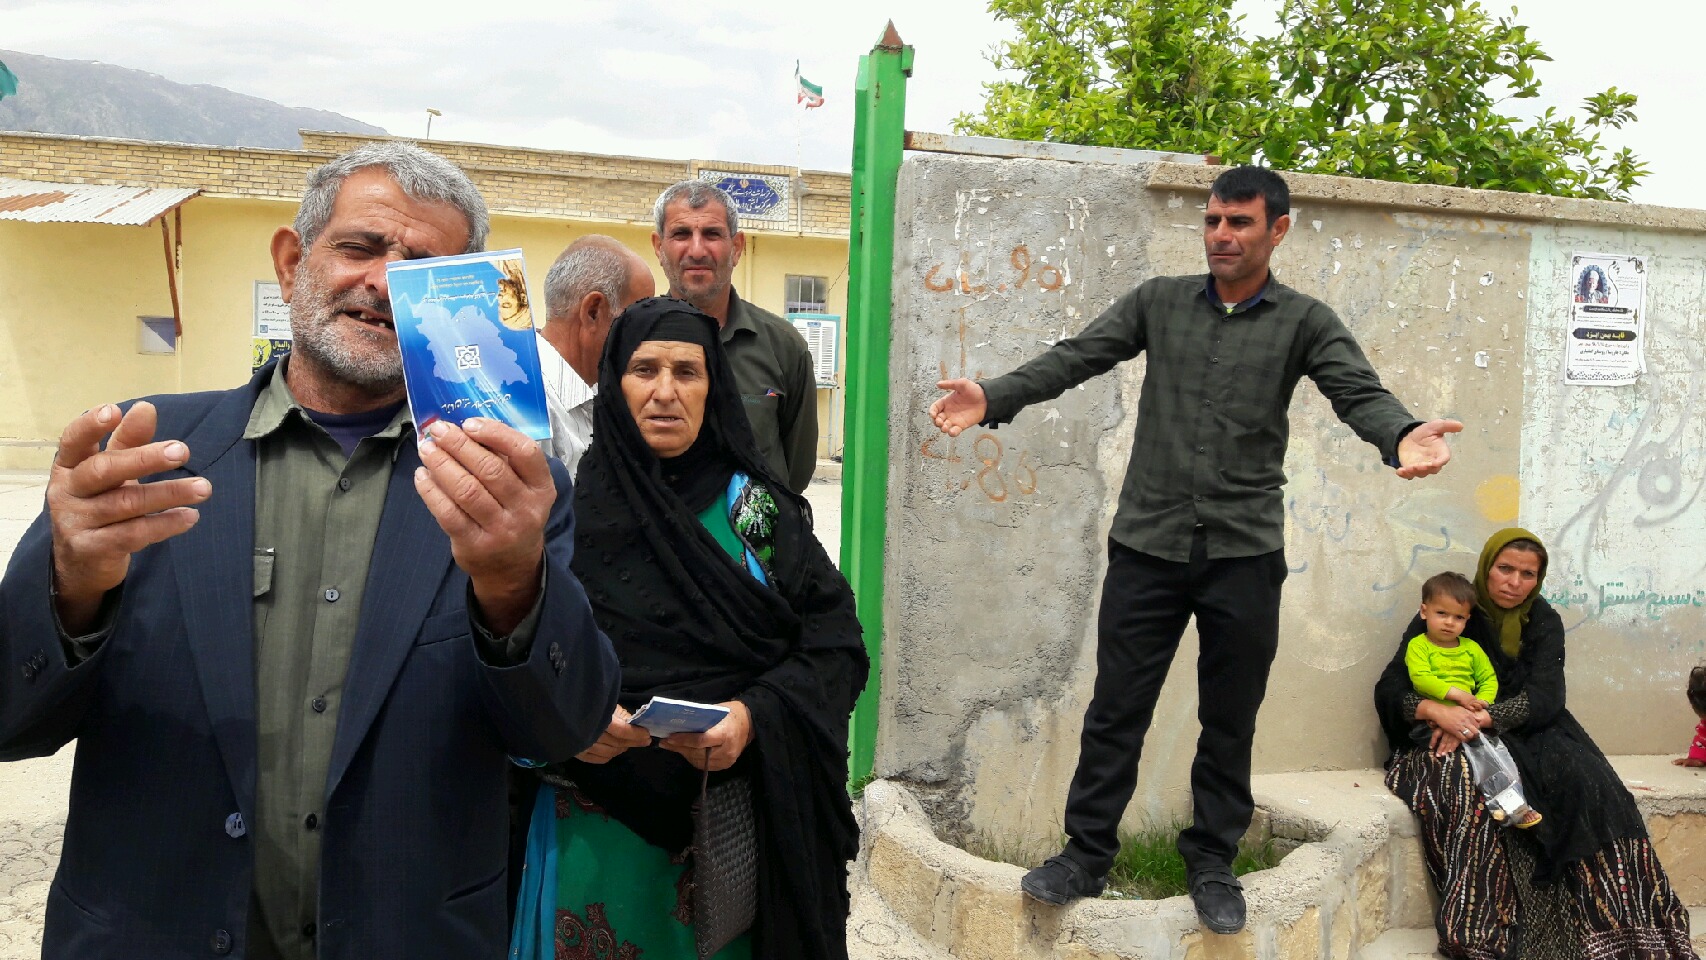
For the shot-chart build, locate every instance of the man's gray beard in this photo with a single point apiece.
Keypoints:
(314, 332)
(704, 301)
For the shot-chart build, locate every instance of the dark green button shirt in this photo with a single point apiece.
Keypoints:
(773, 369)
(1214, 409)
(316, 517)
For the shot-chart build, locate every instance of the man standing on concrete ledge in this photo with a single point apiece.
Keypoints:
(592, 280)
(698, 242)
(1200, 527)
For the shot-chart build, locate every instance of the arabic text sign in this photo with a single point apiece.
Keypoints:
(758, 196)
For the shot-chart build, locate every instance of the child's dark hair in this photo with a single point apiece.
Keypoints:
(1697, 690)
(1452, 586)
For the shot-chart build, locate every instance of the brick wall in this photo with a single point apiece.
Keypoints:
(514, 180)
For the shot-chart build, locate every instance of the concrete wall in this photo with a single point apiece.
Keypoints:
(997, 539)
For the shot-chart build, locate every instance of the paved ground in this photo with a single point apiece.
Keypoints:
(32, 792)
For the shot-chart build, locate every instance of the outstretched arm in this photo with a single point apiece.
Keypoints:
(1118, 334)
(1345, 377)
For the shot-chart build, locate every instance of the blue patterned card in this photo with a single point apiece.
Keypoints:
(466, 333)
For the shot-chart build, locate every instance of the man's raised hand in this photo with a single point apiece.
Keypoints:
(964, 406)
(101, 513)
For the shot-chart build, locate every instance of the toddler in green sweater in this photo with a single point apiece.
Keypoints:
(1449, 668)
(1443, 665)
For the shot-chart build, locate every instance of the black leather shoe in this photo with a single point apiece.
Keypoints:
(1219, 899)
(1061, 879)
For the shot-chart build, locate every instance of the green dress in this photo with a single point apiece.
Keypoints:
(617, 896)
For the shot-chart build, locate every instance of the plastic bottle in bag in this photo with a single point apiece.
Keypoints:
(1497, 778)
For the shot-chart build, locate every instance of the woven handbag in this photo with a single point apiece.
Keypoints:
(725, 863)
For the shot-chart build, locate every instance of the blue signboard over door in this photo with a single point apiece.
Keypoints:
(756, 196)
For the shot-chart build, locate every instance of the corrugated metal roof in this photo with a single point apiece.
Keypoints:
(35, 201)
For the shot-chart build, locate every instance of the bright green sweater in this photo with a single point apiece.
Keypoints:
(1434, 669)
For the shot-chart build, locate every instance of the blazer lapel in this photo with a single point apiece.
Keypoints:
(213, 564)
(411, 555)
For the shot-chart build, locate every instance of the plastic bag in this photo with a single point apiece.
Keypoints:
(1496, 775)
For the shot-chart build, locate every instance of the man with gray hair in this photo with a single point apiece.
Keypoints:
(296, 648)
(699, 242)
(593, 280)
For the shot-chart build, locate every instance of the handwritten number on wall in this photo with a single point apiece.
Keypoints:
(1047, 276)
(993, 477)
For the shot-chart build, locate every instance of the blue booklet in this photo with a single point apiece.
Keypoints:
(662, 716)
(466, 333)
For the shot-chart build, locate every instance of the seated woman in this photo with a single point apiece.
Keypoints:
(1585, 882)
(703, 570)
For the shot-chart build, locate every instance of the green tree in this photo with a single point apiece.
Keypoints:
(1120, 73)
(1405, 90)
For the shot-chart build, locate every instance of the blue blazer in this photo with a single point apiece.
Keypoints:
(156, 861)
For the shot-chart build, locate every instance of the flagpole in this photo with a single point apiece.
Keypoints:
(799, 161)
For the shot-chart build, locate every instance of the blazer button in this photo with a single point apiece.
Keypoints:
(221, 942)
(311, 821)
(234, 826)
(308, 930)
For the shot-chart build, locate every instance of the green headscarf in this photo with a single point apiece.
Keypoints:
(1507, 623)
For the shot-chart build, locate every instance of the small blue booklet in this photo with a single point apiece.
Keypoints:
(466, 333)
(662, 716)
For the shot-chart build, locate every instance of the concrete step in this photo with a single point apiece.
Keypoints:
(1402, 945)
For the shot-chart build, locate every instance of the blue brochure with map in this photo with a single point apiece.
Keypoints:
(662, 716)
(466, 333)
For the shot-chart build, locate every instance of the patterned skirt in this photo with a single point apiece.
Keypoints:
(1615, 904)
(591, 889)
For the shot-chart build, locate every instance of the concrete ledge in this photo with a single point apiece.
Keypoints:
(966, 907)
(1355, 874)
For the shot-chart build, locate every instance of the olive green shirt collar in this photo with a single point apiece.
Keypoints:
(275, 404)
(737, 318)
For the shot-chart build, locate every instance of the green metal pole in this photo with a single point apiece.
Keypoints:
(879, 137)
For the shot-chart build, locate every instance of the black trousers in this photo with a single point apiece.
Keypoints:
(1146, 602)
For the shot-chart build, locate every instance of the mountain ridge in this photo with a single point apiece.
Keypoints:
(90, 98)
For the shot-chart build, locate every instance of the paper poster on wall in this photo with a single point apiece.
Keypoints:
(272, 324)
(1608, 305)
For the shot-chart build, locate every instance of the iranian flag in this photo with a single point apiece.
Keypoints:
(807, 92)
(9, 82)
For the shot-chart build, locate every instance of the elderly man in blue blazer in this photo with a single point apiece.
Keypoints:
(297, 648)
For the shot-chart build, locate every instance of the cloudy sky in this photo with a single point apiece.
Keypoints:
(714, 79)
